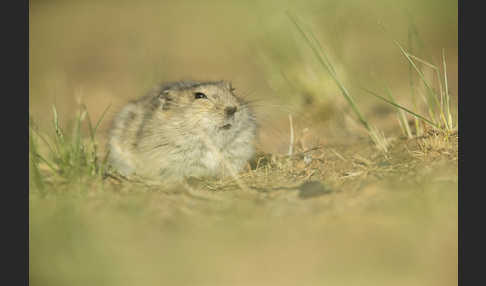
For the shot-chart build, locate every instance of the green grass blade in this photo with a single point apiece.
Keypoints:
(101, 118)
(401, 107)
(323, 60)
(57, 128)
(92, 130)
(441, 93)
(431, 98)
(423, 61)
(49, 164)
(442, 103)
(58, 137)
(31, 126)
(34, 166)
(90, 125)
(78, 148)
(318, 44)
(446, 94)
(92, 133)
(411, 34)
(401, 115)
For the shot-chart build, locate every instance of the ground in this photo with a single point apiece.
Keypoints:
(352, 215)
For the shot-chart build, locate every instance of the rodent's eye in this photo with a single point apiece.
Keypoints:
(199, 95)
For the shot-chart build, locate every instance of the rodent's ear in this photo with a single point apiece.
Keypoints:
(164, 99)
(228, 85)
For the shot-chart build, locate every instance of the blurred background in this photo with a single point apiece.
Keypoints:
(103, 53)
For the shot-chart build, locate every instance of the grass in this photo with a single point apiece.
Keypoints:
(438, 104)
(402, 119)
(69, 157)
(318, 205)
(376, 136)
(437, 100)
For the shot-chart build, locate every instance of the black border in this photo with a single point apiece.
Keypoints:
(15, 118)
(15, 94)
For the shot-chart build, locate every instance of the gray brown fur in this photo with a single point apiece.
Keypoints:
(170, 135)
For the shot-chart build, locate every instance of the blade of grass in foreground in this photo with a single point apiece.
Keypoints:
(402, 108)
(446, 94)
(75, 146)
(33, 128)
(34, 167)
(321, 56)
(33, 145)
(58, 137)
(440, 107)
(413, 34)
(92, 130)
(401, 116)
(92, 133)
(431, 98)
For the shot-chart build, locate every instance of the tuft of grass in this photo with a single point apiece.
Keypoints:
(377, 137)
(68, 157)
(34, 158)
(437, 103)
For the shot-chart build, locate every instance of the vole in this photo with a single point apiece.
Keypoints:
(183, 129)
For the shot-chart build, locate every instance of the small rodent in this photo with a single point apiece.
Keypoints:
(183, 129)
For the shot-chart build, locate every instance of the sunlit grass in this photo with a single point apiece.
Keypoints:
(66, 157)
(376, 136)
(437, 103)
(402, 118)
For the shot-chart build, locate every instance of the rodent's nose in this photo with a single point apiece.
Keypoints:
(230, 110)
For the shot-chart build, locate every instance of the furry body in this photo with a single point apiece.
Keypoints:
(183, 129)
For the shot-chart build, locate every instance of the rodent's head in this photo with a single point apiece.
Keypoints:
(208, 106)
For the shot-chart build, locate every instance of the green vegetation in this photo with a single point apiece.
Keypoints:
(363, 193)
